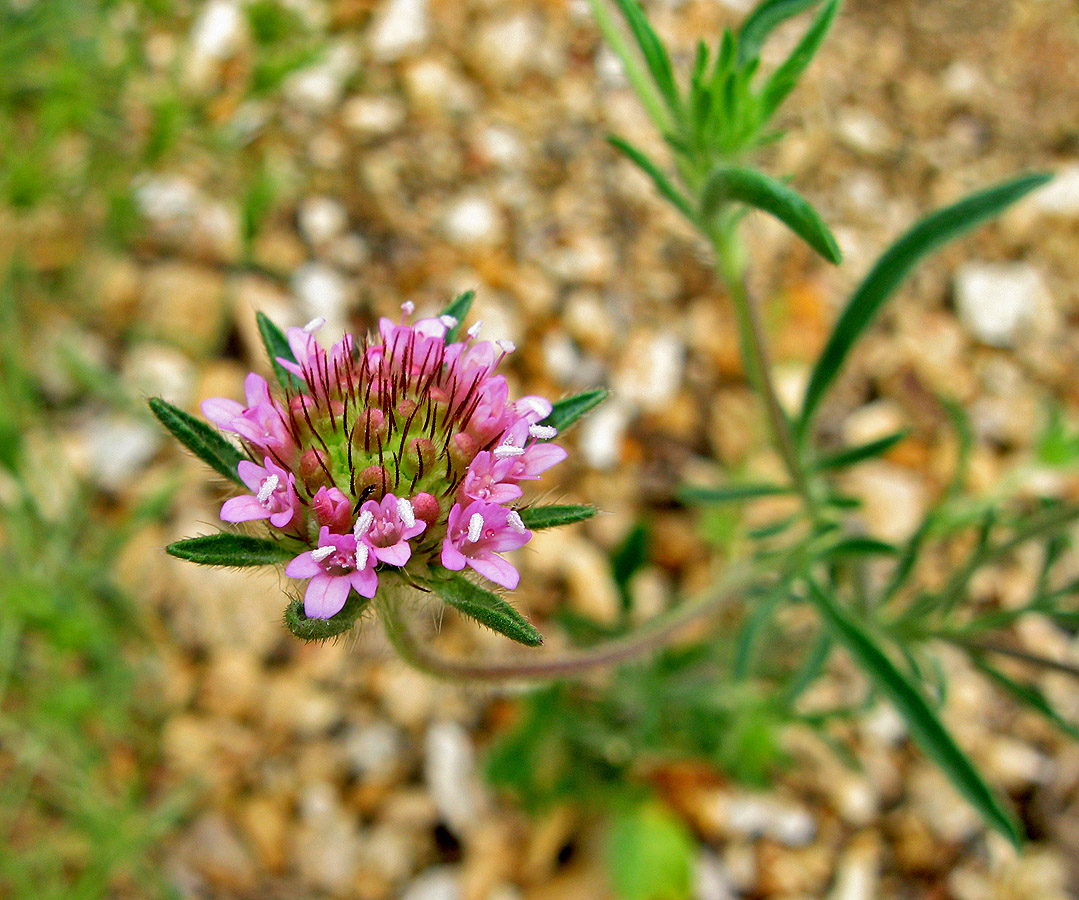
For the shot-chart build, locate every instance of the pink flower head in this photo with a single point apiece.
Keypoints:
(388, 526)
(339, 563)
(332, 509)
(261, 423)
(314, 365)
(485, 480)
(526, 449)
(477, 533)
(274, 497)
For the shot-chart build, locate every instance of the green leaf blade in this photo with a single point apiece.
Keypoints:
(785, 78)
(568, 410)
(662, 183)
(653, 51)
(227, 549)
(733, 493)
(893, 267)
(199, 438)
(925, 727)
(458, 308)
(536, 518)
(763, 21)
(488, 609)
(276, 344)
(841, 459)
(762, 192)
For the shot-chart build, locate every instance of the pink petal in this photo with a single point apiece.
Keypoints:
(452, 558)
(243, 509)
(221, 411)
(281, 519)
(508, 539)
(365, 581)
(540, 457)
(496, 569)
(251, 474)
(397, 555)
(303, 566)
(326, 595)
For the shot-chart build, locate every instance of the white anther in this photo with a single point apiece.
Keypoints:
(362, 553)
(474, 331)
(506, 451)
(408, 307)
(506, 346)
(322, 552)
(475, 527)
(448, 321)
(406, 512)
(542, 432)
(515, 522)
(267, 489)
(314, 325)
(363, 523)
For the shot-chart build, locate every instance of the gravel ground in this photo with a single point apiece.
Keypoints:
(439, 145)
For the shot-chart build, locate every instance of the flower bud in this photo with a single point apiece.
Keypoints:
(426, 507)
(463, 449)
(314, 470)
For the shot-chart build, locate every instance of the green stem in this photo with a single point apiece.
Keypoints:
(642, 86)
(651, 637)
(729, 260)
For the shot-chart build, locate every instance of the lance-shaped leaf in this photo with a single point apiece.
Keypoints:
(570, 409)
(730, 493)
(756, 189)
(199, 438)
(785, 78)
(276, 344)
(663, 184)
(488, 609)
(306, 629)
(762, 22)
(228, 549)
(848, 457)
(924, 725)
(539, 517)
(653, 51)
(890, 271)
(1029, 694)
(458, 308)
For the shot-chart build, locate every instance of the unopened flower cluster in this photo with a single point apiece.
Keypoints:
(395, 454)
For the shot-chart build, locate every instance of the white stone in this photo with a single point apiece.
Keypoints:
(317, 89)
(373, 116)
(322, 291)
(759, 814)
(711, 879)
(502, 146)
(894, 498)
(217, 34)
(862, 131)
(439, 883)
(506, 47)
(651, 373)
(117, 448)
(1001, 302)
(872, 422)
(472, 221)
(165, 198)
(858, 875)
(450, 772)
(1061, 195)
(373, 749)
(399, 27)
(158, 370)
(601, 434)
(321, 219)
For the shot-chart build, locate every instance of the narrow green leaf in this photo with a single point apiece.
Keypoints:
(785, 78)
(851, 455)
(276, 344)
(1029, 694)
(759, 190)
(762, 21)
(653, 51)
(730, 493)
(651, 854)
(227, 549)
(862, 546)
(927, 235)
(570, 409)
(488, 609)
(199, 438)
(540, 517)
(306, 629)
(458, 308)
(663, 184)
(925, 727)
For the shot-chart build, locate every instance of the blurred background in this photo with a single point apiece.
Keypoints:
(169, 168)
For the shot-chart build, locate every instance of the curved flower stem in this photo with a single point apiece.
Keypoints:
(650, 637)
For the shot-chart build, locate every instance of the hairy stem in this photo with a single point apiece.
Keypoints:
(651, 637)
